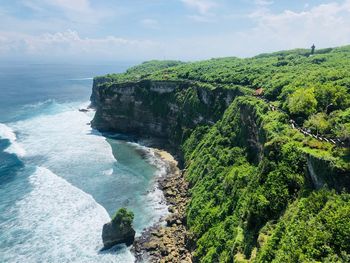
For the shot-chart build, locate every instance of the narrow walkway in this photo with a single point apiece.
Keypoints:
(294, 125)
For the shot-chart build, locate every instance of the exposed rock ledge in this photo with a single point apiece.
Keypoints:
(168, 243)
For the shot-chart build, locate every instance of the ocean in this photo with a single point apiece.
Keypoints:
(60, 180)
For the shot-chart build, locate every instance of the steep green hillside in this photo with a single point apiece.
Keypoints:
(252, 197)
(269, 178)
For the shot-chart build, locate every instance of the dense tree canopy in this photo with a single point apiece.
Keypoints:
(302, 102)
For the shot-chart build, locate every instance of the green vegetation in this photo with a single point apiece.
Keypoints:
(123, 217)
(139, 72)
(254, 204)
(262, 191)
(301, 84)
(302, 102)
(314, 228)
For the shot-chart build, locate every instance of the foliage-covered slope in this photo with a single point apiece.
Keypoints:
(261, 191)
(249, 188)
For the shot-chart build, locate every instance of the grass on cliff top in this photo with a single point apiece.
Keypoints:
(141, 71)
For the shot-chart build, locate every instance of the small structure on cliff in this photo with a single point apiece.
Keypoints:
(259, 92)
(119, 230)
(313, 47)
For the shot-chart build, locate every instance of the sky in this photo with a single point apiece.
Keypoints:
(136, 30)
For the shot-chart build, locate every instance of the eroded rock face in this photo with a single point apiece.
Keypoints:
(161, 109)
(322, 173)
(117, 234)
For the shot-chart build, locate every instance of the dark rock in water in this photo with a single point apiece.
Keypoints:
(113, 235)
(119, 230)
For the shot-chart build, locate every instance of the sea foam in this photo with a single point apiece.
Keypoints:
(57, 222)
(61, 217)
(155, 199)
(7, 133)
(65, 140)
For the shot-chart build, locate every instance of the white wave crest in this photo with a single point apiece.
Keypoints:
(108, 172)
(8, 134)
(155, 197)
(65, 137)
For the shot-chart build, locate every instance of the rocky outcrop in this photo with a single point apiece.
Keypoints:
(252, 136)
(324, 173)
(119, 230)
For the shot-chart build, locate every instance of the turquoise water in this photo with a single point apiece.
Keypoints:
(60, 181)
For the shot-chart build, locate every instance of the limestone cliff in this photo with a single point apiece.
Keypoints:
(245, 164)
(170, 110)
(162, 109)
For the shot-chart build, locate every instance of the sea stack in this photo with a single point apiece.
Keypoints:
(119, 230)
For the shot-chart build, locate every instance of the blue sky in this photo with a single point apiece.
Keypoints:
(121, 30)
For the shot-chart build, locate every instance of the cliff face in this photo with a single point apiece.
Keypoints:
(164, 109)
(323, 173)
(171, 110)
(247, 168)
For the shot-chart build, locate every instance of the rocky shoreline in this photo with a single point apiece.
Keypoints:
(168, 240)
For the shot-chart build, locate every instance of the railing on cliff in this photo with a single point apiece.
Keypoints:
(336, 141)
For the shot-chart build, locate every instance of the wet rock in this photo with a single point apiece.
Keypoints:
(157, 233)
(171, 220)
(119, 230)
(171, 209)
(168, 243)
(170, 193)
(152, 245)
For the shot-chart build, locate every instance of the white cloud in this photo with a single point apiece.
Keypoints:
(326, 25)
(201, 6)
(70, 45)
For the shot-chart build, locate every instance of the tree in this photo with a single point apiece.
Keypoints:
(331, 95)
(124, 217)
(318, 122)
(302, 102)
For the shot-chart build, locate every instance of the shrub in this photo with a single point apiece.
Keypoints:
(123, 216)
